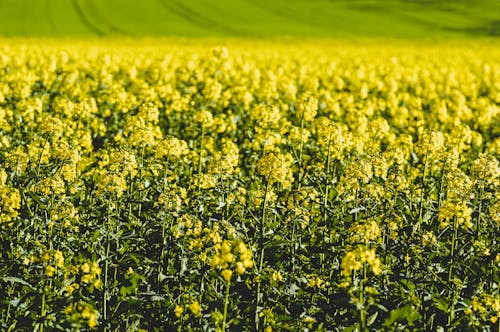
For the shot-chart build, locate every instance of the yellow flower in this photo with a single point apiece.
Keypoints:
(247, 263)
(428, 238)
(172, 148)
(195, 307)
(86, 278)
(98, 283)
(85, 268)
(205, 181)
(45, 257)
(344, 284)
(228, 258)
(58, 258)
(178, 311)
(225, 247)
(205, 118)
(71, 288)
(226, 274)
(276, 276)
(306, 108)
(3, 177)
(240, 268)
(50, 270)
(353, 261)
(365, 231)
(90, 315)
(216, 261)
(485, 170)
(68, 309)
(275, 167)
(266, 115)
(95, 269)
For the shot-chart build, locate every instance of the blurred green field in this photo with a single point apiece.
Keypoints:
(251, 18)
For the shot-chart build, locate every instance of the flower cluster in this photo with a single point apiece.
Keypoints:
(231, 256)
(178, 186)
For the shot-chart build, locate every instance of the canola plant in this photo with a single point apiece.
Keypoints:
(260, 186)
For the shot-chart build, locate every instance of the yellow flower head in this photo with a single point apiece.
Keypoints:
(275, 167)
(306, 108)
(178, 311)
(195, 308)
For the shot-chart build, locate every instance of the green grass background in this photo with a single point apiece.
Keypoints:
(251, 18)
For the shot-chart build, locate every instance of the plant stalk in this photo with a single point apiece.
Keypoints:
(226, 302)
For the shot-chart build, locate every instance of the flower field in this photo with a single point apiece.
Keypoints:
(261, 186)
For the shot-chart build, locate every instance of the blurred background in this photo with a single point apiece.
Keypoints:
(251, 18)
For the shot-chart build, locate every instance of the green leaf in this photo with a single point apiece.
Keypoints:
(292, 289)
(372, 319)
(351, 328)
(400, 314)
(124, 291)
(408, 283)
(161, 277)
(441, 304)
(18, 281)
(156, 298)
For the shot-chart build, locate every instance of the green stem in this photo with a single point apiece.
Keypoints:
(362, 313)
(201, 149)
(106, 267)
(42, 310)
(441, 187)
(160, 265)
(226, 302)
(478, 220)
(39, 163)
(451, 315)
(452, 253)
(263, 222)
(422, 192)
(325, 198)
(9, 294)
(292, 246)
(261, 253)
(105, 298)
(301, 174)
(139, 207)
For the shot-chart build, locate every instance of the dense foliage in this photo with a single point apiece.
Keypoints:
(260, 187)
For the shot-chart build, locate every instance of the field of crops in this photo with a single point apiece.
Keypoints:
(251, 18)
(319, 186)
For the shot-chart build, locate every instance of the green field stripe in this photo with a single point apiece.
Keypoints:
(322, 18)
(65, 19)
(86, 20)
(251, 18)
(50, 16)
(197, 17)
(23, 20)
(104, 17)
(11, 18)
(34, 18)
(173, 8)
(411, 14)
(282, 9)
(152, 18)
(360, 18)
